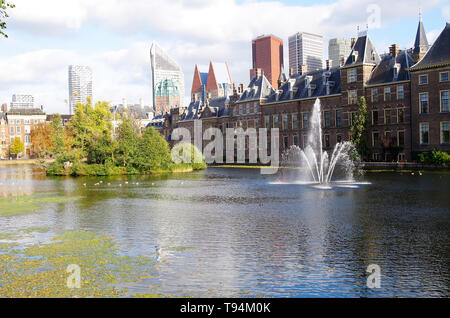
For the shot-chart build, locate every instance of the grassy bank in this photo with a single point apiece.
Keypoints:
(84, 169)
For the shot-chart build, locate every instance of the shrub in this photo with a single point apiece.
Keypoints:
(436, 158)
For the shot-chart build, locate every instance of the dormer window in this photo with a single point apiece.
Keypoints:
(308, 80)
(325, 77)
(329, 85)
(396, 71)
(278, 94)
(354, 56)
(311, 89)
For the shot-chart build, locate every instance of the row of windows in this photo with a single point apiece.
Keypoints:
(399, 139)
(424, 102)
(284, 123)
(425, 133)
(27, 139)
(295, 140)
(443, 77)
(25, 121)
(388, 116)
(243, 109)
(387, 94)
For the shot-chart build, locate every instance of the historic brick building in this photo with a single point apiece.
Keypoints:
(407, 95)
(430, 87)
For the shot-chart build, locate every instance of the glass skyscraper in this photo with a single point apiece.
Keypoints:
(167, 81)
(80, 85)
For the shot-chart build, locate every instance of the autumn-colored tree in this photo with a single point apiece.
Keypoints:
(41, 140)
(16, 147)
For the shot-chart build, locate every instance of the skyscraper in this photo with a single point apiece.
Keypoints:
(305, 49)
(167, 81)
(80, 85)
(339, 50)
(267, 56)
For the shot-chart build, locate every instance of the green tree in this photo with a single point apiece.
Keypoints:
(153, 152)
(16, 147)
(91, 128)
(359, 129)
(128, 141)
(57, 135)
(3, 15)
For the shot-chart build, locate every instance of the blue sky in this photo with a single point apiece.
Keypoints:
(114, 38)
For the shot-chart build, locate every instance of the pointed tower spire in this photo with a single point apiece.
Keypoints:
(421, 45)
(282, 78)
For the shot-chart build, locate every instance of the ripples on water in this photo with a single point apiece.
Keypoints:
(240, 233)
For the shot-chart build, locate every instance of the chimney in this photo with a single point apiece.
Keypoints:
(4, 108)
(329, 64)
(291, 72)
(353, 42)
(393, 50)
(258, 72)
(303, 69)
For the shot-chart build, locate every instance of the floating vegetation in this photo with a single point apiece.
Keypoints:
(40, 270)
(27, 204)
(35, 229)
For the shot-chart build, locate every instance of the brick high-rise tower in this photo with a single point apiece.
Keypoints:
(267, 56)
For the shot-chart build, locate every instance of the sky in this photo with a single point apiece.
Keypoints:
(113, 37)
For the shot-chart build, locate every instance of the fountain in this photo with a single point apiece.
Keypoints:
(314, 165)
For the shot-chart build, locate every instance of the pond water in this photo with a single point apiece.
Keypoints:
(231, 232)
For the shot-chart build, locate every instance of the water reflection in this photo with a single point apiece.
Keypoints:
(231, 231)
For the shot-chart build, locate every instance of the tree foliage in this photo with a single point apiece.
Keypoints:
(360, 127)
(4, 6)
(58, 136)
(17, 146)
(88, 144)
(41, 140)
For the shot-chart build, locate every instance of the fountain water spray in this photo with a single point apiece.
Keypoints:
(316, 163)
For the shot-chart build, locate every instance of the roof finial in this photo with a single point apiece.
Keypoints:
(420, 14)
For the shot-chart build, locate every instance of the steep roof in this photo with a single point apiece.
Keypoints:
(438, 54)
(384, 72)
(421, 38)
(218, 74)
(259, 88)
(365, 50)
(198, 80)
(193, 111)
(299, 86)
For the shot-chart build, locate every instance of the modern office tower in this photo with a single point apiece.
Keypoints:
(167, 81)
(80, 85)
(267, 52)
(22, 101)
(305, 52)
(339, 50)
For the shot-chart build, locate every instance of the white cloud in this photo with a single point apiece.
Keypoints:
(446, 13)
(193, 31)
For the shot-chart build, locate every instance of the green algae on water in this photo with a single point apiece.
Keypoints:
(40, 270)
(19, 205)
